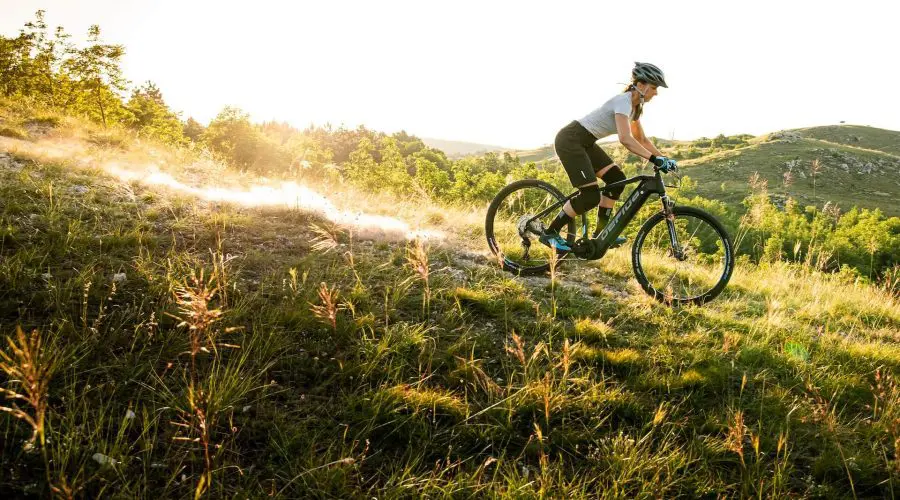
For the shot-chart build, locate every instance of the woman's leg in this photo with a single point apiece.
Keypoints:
(606, 201)
(610, 174)
(588, 197)
(607, 170)
(571, 148)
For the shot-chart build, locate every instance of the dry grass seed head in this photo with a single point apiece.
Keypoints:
(519, 350)
(326, 238)
(31, 366)
(734, 441)
(327, 311)
(194, 300)
(417, 257)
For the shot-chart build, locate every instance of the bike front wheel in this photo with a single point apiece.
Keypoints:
(685, 259)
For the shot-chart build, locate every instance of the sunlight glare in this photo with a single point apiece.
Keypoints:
(286, 194)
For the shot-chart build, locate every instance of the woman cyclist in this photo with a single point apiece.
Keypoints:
(584, 161)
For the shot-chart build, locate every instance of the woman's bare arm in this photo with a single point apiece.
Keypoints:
(629, 141)
(637, 130)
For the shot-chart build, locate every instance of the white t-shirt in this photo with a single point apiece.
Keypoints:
(601, 122)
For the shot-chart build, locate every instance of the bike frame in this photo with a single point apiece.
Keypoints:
(649, 185)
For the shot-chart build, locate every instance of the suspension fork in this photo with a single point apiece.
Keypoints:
(669, 213)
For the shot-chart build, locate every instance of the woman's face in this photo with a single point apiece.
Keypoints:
(648, 90)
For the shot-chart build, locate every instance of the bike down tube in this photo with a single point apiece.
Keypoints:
(649, 185)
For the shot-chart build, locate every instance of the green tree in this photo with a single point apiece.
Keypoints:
(152, 117)
(193, 130)
(28, 61)
(360, 166)
(431, 178)
(377, 169)
(46, 76)
(392, 169)
(97, 69)
(15, 65)
(308, 156)
(231, 136)
(408, 144)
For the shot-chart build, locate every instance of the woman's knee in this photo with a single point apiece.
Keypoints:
(588, 198)
(613, 174)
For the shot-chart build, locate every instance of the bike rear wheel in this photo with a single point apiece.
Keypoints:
(695, 271)
(510, 235)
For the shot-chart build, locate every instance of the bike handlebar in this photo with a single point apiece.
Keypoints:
(656, 169)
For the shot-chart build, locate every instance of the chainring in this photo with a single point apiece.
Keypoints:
(587, 249)
(584, 248)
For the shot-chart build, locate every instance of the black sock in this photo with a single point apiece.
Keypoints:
(603, 216)
(561, 220)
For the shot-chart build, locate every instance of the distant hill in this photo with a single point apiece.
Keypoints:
(856, 166)
(857, 136)
(544, 153)
(547, 153)
(455, 149)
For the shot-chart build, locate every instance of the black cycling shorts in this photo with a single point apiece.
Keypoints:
(579, 153)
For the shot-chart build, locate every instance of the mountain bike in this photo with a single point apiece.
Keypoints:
(680, 255)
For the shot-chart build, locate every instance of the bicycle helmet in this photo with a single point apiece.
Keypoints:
(649, 73)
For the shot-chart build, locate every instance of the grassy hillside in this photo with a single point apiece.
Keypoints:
(212, 347)
(846, 175)
(858, 136)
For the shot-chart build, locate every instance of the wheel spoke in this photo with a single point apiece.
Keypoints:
(672, 277)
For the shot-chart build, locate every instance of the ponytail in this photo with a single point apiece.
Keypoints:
(636, 115)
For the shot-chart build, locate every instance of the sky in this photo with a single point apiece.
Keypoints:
(505, 73)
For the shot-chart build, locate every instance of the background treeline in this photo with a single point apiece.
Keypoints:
(43, 68)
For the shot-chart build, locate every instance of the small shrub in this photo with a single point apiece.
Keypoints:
(15, 133)
(49, 121)
(109, 139)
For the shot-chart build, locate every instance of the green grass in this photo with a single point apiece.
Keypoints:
(192, 359)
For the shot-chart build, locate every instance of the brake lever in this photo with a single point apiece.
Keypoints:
(677, 177)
